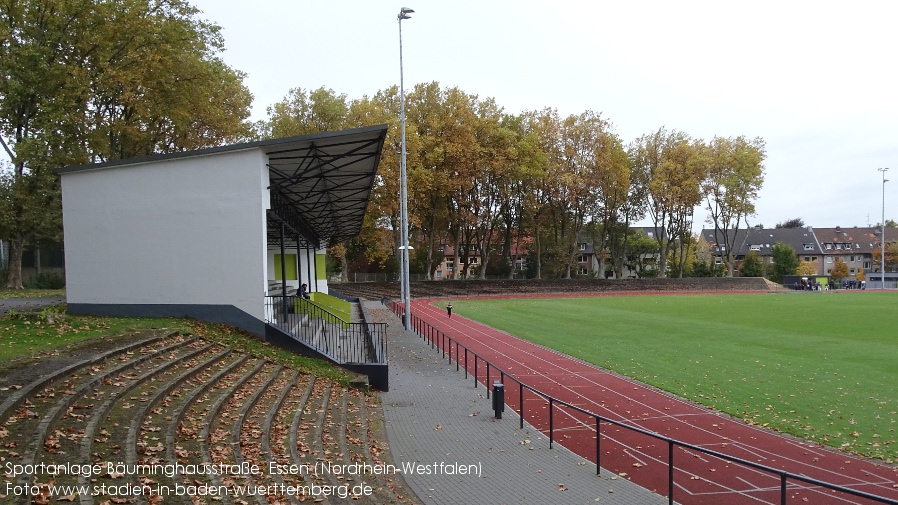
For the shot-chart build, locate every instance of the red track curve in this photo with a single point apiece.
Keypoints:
(699, 479)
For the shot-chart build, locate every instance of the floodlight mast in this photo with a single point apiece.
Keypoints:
(403, 188)
(882, 250)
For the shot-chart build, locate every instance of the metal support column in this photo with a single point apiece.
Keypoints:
(298, 260)
(309, 268)
(283, 270)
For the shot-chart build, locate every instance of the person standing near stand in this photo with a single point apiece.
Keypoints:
(449, 309)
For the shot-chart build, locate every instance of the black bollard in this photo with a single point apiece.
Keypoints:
(498, 399)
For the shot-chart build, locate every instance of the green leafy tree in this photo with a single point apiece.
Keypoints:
(707, 269)
(583, 175)
(591, 161)
(544, 128)
(752, 266)
(784, 262)
(666, 166)
(791, 223)
(613, 191)
(379, 238)
(85, 81)
(447, 150)
(734, 173)
(517, 190)
(304, 113)
(493, 174)
(839, 271)
(891, 256)
(642, 255)
(806, 268)
(683, 256)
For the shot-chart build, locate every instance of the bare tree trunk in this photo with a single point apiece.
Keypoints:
(427, 274)
(14, 278)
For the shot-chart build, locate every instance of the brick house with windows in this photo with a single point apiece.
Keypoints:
(589, 260)
(761, 241)
(446, 268)
(854, 246)
(818, 246)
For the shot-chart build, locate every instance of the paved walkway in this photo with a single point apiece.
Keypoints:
(435, 417)
(23, 304)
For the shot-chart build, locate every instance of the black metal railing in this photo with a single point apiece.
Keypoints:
(326, 332)
(463, 361)
(377, 339)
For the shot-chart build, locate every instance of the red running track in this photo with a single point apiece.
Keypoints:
(698, 478)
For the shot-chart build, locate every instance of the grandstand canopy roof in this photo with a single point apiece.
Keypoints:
(319, 184)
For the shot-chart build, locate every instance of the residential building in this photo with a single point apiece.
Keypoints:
(446, 268)
(761, 242)
(854, 246)
(818, 246)
(589, 260)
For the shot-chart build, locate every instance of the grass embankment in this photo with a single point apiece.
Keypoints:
(31, 334)
(823, 366)
(30, 293)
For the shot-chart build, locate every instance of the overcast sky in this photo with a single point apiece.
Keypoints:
(816, 80)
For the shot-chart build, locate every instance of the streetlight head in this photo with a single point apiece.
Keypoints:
(404, 13)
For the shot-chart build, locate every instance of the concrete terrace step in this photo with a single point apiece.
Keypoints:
(139, 409)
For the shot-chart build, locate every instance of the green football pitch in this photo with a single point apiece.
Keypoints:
(820, 365)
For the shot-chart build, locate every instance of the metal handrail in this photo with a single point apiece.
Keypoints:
(442, 341)
(306, 306)
(329, 334)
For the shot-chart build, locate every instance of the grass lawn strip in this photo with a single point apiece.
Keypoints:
(30, 334)
(823, 366)
(30, 293)
(50, 330)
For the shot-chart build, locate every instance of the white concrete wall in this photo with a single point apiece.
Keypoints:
(184, 231)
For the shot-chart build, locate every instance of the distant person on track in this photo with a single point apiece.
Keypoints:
(449, 309)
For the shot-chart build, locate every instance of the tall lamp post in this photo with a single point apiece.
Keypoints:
(883, 237)
(403, 188)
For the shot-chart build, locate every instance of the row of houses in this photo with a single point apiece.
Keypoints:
(817, 246)
(588, 260)
(446, 268)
